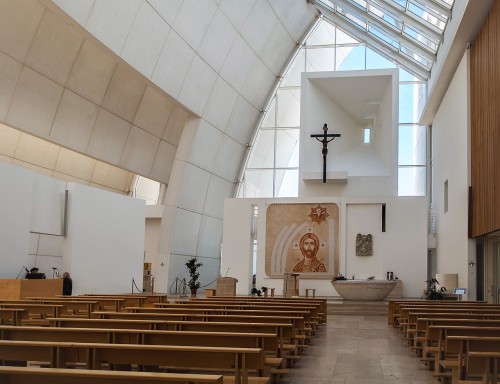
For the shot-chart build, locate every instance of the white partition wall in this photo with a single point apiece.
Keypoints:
(16, 193)
(104, 249)
(402, 248)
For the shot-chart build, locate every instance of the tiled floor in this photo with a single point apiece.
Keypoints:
(358, 350)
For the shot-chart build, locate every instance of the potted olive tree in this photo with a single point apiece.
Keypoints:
(192, 265)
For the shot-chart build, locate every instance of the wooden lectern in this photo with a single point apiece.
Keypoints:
(226, 286)
(20, 289)
(290, 284)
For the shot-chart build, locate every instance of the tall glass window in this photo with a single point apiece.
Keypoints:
(272, 169)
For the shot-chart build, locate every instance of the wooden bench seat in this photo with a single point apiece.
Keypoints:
(285, 331)
(239, 361)
(395, 305)
(296, 321)
(457, 349)
(411, 326)
(69, 307)
(485, 365)
(31, 375)
(320, 304)
(11, 316)
(266, 341)
(35, 313)
(147, 300)
(439, 334)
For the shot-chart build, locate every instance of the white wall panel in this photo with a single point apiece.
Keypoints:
(8, 79)
(92, 72)
(229, 149)
(108, 137)
(237, 12)
(192, 21)
(222, 94)
(197, 86)
(54, 48)
(193, 199)
(217, 41)
(104, 250)
(145, 39)
(450, 163)
(205, 146)
(118, 13)
(47, 212)
(214, 205)
(210, 237)
(74, 121)
(238, 63)
(171, 70)
(186, 227)
(15, 204)
(34, 103)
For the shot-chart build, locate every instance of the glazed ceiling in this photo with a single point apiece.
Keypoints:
(407, 31)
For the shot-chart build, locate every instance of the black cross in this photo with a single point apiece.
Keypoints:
(325, 139)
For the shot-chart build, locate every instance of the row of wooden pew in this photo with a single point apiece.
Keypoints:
(241, 340)
(458, 340)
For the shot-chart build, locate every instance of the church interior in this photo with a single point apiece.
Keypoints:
(333, 160)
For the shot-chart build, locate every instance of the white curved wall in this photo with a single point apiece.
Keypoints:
(218, 59)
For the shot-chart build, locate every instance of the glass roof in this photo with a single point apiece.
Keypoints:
(408, 31)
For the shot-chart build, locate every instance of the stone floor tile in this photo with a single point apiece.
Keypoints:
(358, 350)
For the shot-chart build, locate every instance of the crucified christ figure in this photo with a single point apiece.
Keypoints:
(325, 138)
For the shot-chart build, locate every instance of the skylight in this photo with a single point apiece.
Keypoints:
(408, 31)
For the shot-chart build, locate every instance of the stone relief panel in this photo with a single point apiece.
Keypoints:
(364, 245)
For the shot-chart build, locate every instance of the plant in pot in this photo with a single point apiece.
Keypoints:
(258, 292)
(192, 265)
(255, 291)
(264, 291)
(432, 292)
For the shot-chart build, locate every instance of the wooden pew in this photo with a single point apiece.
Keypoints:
(439, 333)
(35, 313)
(395, 305)
(31, 375)
(148, 299)
(107, 323)
(239, 361)
(412, 318)
(297, 321)
(69, 307)
(310, 313)
(457, 349)
(266, 341)
(429, 332)
(285, 331)
(104, 303)
(319, 304)
(490, 364)
(12, 316)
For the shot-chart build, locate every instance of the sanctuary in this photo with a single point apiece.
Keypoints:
(355, 223)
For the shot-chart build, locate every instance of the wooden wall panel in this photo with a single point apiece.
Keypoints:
(485, 125)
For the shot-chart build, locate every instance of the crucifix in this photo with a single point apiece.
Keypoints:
(325, 138)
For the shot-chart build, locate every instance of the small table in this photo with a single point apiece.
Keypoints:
(312, 290)
(210, 292)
